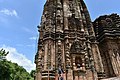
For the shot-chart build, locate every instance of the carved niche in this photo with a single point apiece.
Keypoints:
(77, 47)
(74, 23)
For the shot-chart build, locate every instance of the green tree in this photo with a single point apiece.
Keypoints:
(3, 54)
(4, 67)
(32, 73)
(12, 71)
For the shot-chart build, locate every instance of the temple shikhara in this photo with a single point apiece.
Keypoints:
(72, 47)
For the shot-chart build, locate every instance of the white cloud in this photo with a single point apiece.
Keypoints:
(33, 45)
(18, 58)
(27, 30)
(33, 38)
(9, 12)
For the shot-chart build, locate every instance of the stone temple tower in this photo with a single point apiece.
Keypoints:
(107, 31)
(67, 47)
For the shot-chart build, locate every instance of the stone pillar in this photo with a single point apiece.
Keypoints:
(38, 76)
(65, 7)
(69, 74)
(97, 59)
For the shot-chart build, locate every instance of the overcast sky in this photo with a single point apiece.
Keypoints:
(19, 20)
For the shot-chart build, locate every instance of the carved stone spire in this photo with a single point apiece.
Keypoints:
(67, 48)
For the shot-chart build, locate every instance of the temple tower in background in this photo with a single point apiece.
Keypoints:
(107, 31)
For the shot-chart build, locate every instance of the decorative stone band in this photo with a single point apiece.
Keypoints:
(114, 78)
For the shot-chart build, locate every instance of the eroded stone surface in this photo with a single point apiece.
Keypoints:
(71, 47)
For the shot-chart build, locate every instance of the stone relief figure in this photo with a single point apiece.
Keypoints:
(116, 61)
(115, 52)
(78, 62)
(74, 23)
(109, 22)
(103, 23)
(77, 47)
(43, 19)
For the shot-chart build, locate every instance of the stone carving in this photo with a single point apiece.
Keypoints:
(107, 31)
(67, 47)
(74, 23)
(77, 47)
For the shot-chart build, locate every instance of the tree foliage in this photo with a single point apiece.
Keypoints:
(3, 52)
(12, 71)
(32, 73)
